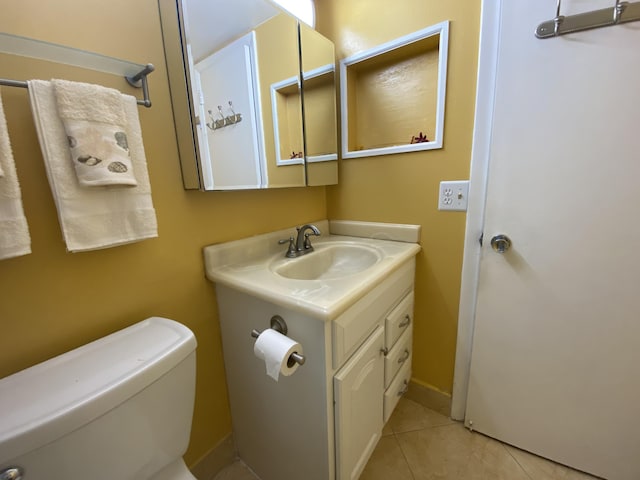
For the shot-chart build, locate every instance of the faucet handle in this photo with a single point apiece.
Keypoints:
(307, 242)
(291, 249)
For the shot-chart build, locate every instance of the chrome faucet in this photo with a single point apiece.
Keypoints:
(302, 244)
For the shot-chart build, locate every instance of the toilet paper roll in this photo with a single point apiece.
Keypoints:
(275, 349)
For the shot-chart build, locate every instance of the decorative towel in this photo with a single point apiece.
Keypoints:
(14, 231)
(93, 218)
(94, 120)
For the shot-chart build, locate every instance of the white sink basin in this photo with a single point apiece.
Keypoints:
(335, 260)
(323, 283)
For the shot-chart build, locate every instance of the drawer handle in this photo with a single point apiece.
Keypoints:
(404, 357)
(405, 387)
(405, 323)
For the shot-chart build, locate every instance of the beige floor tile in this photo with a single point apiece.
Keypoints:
(410, 415)
(387, 462)
(387, 430)
(540, 468)
(236, 471)
(421, 444)
(453, 453)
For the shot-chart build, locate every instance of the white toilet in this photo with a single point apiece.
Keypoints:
(117, 408)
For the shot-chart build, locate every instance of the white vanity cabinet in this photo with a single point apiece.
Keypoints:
(358, 406)
(323, 421)
(398, 340)
(349, 304)
(363, 403)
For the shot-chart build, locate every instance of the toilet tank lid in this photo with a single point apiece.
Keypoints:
(43, 402)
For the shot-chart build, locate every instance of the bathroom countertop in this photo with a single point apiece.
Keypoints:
(245, 265)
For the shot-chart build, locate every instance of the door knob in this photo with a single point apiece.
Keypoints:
(500, 243)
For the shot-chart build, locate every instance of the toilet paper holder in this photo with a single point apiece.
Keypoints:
(279, 325)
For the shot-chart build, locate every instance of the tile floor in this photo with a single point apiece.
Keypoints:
(421, 444)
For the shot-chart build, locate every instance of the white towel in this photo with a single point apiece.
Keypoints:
(14, 231)
(100, 217)
(95, 123)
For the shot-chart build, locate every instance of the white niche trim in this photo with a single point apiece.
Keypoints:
(281, 130)
(348, 64)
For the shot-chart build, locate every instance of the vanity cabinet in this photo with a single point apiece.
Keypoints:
(360, 411)
(398, 340)
(359, 406)
(323, 421)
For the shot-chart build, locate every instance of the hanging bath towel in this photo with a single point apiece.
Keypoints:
(95, 123)
(96, 217)
(14, 231)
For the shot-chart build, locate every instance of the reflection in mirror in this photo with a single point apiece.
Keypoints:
(279, 70)
(228, 125)
(302, 9)
(234, 73)
(319, 93)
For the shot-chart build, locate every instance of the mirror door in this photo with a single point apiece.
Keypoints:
(317, 60)
(236, 85)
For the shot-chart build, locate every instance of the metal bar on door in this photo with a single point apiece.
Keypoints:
(621, 12)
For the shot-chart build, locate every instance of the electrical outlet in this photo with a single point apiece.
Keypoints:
(453, 195)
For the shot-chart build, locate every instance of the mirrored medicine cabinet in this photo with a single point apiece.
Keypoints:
(253, 95)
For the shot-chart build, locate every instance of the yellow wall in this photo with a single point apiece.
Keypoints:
(404, 188)
(52, 301)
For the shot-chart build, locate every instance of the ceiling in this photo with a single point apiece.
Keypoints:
(212, 24)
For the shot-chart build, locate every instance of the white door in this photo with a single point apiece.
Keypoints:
(228, 87)
(555, 366)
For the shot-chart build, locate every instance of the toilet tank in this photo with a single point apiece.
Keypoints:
(119, 407)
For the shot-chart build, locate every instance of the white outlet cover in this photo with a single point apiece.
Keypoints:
(453, 195)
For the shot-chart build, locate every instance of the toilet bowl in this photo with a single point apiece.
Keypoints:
(119, 407)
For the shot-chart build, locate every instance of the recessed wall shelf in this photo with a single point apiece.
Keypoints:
(287, 121)
(394, 94)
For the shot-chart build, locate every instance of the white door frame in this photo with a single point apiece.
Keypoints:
(479, 172)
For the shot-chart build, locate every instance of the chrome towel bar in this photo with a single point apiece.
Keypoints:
(134, 73)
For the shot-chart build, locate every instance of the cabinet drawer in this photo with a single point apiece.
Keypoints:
(397, 388)
(400, 354)
(398, 321)
(352, 327)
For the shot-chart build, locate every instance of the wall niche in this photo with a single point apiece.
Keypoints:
(393, 95)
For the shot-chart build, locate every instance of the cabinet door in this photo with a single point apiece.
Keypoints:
(359, 390)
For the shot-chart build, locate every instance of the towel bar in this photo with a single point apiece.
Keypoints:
(139, 80)
(134, 73)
